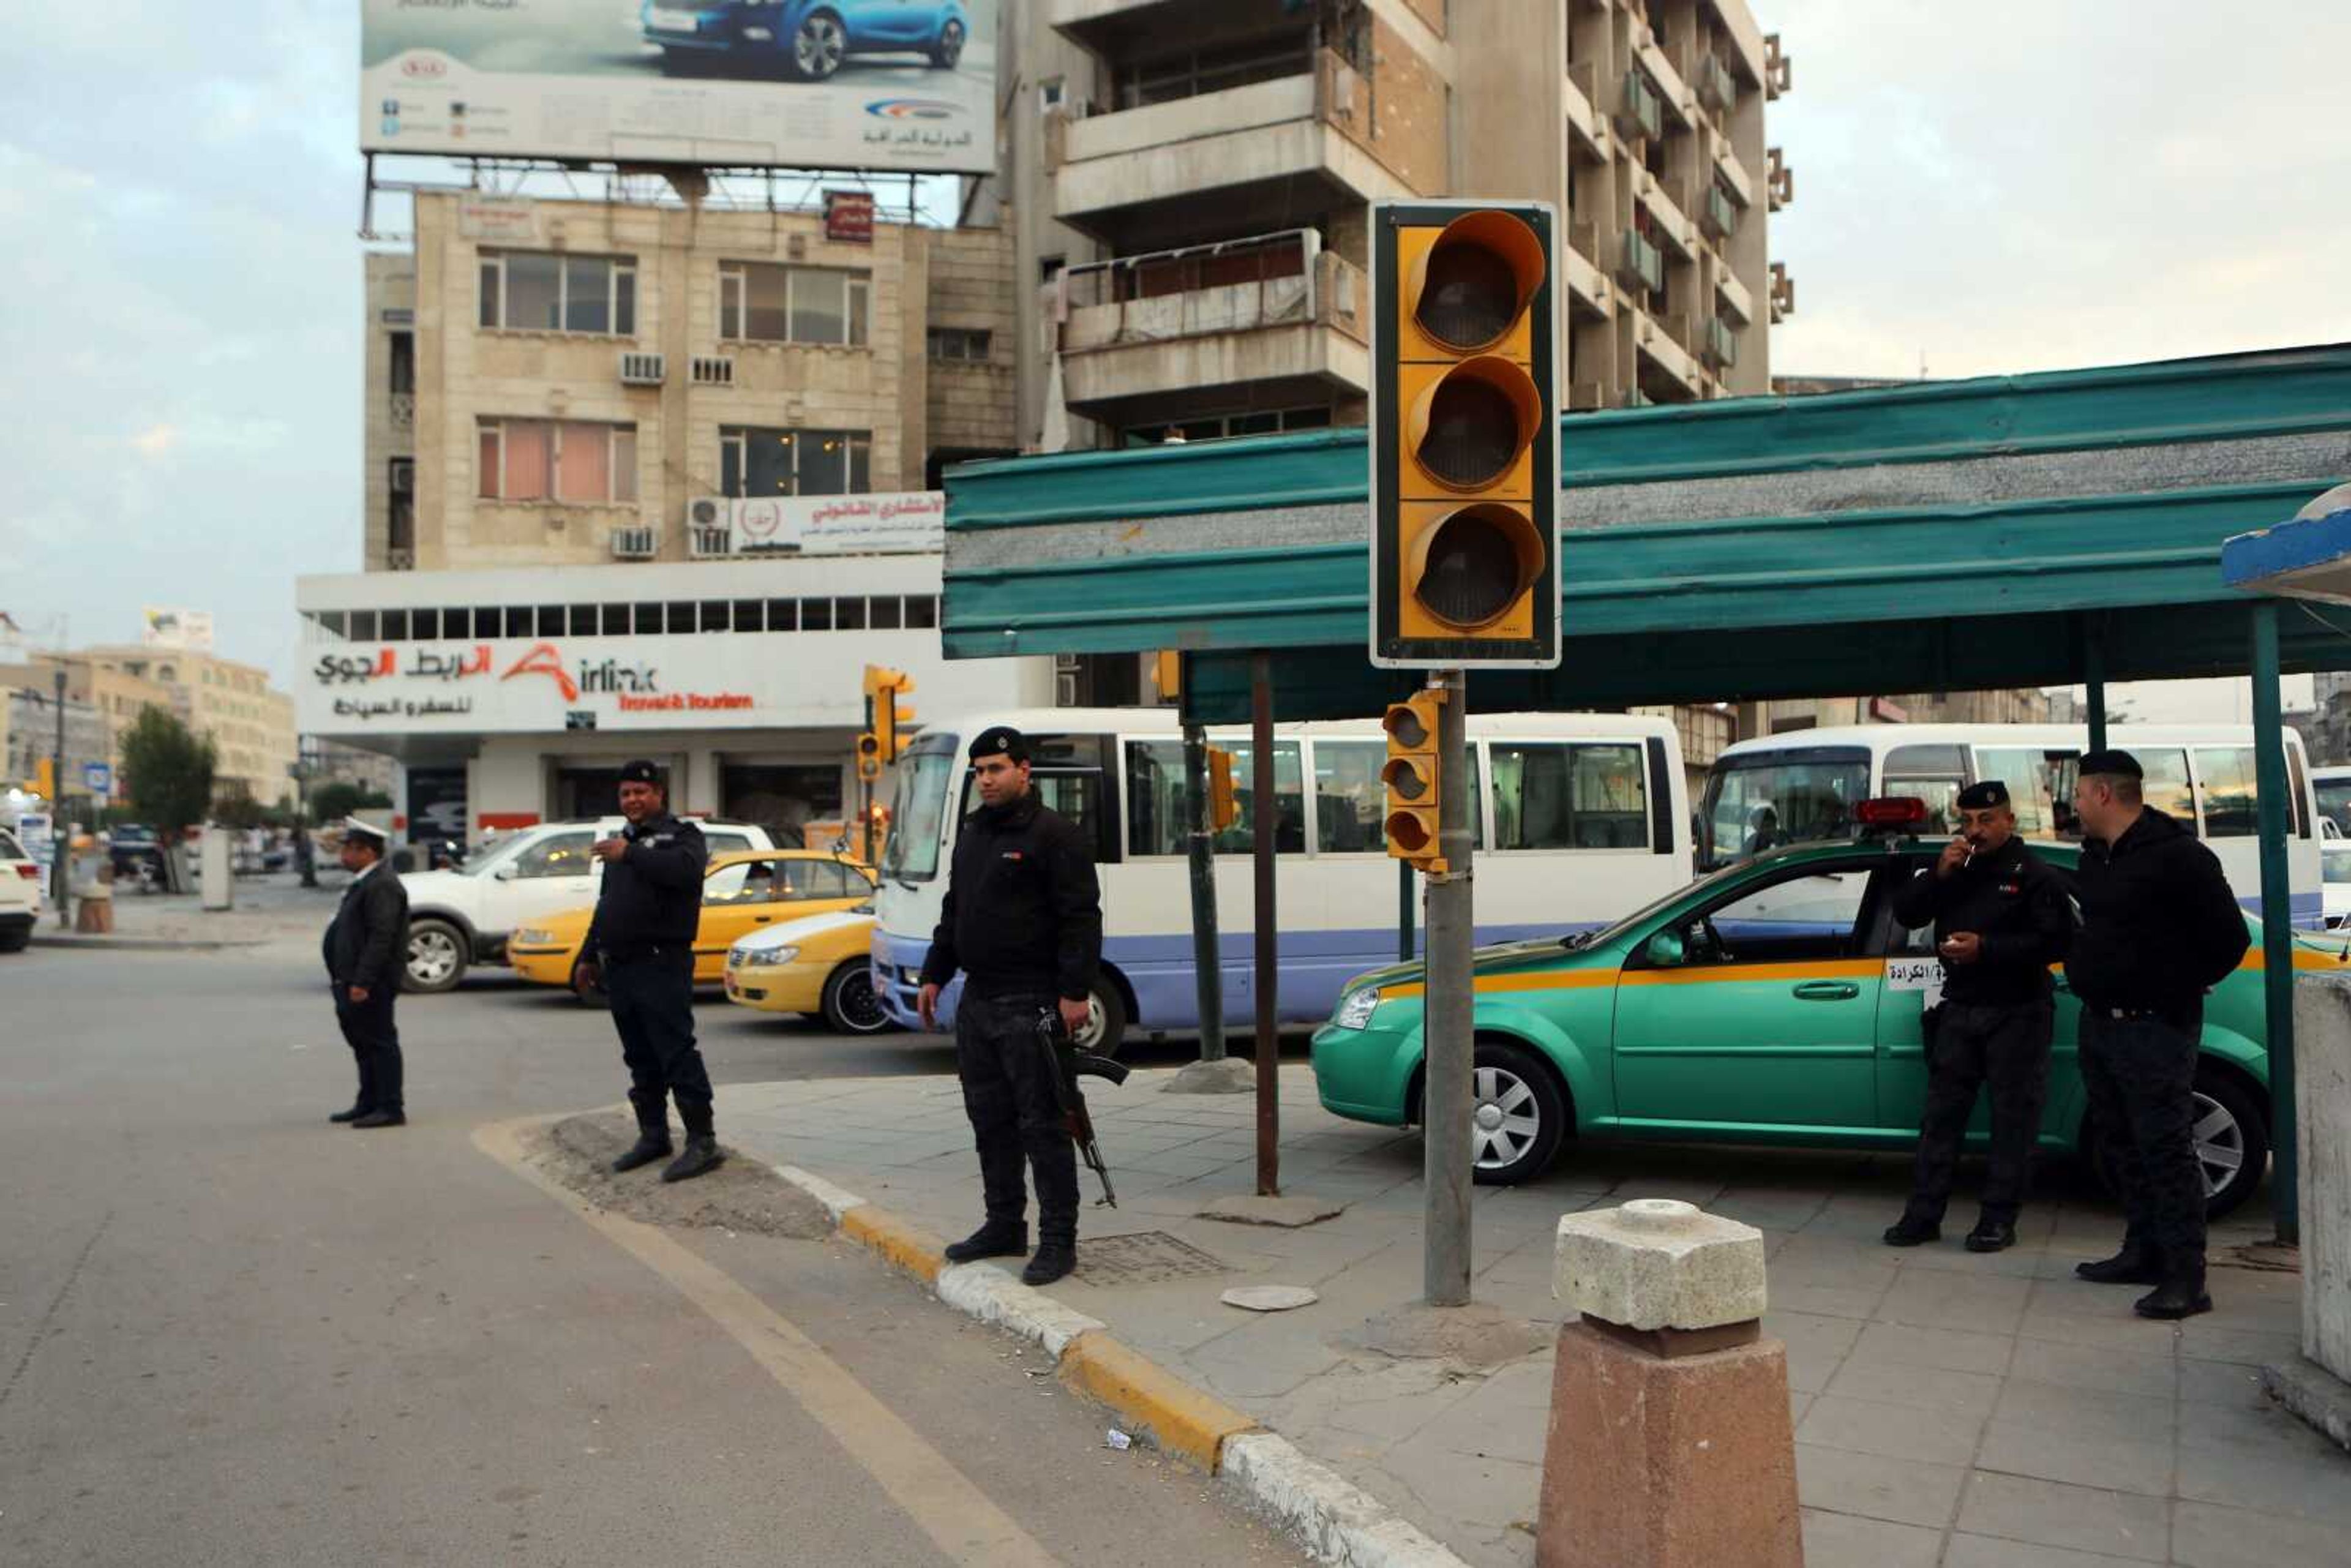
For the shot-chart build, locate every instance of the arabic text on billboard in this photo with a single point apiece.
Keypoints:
(913, 523)
(848, 84)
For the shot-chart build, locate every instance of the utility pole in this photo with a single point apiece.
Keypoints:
(59, 843)
(1446, 1097)
(1200, 851)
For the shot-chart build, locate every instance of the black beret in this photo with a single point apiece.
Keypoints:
(1982, 797)
(1002, 740)
(2120, 764)
(640, 772)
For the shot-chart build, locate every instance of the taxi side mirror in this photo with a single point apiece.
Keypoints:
(505, 873)
(1668, 951)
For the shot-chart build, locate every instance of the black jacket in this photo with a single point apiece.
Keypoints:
(366, 944)
(2015, 902)
(2159, 926)
(1023, 910)
(652, 896)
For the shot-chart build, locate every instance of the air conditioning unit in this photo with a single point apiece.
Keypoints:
(643, 370)
(637, 541)
(710, 512)
(712, 371)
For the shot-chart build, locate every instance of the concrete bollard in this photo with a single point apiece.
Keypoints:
(1670, 1444)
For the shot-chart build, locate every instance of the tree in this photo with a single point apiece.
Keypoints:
(236, 807)
(170, 774)
(330, 803)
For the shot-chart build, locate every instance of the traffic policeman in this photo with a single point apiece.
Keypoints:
(2159, 927)
(2001, 919)
(365, 949)
(1022, 920)
(640, 946)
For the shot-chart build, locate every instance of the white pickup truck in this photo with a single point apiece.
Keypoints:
(20, 893)
(460, 918)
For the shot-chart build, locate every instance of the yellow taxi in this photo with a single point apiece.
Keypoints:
(741, 893)
(820, 965)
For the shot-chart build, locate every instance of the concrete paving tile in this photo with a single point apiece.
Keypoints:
(1261, 1360)
(2245, 1347)
(1942, 1436)
(1888, 1382)
(1843, 1541)
(1825, 1300)
(2090, 1415)
(2126, 1331)
(2045, 1453)
(2209, 1535)
(1935, 1299)
(2079, 1519)
(2251, 1424)
(1989, 1552)
(1798, 1404)
(1486, 1426)
(1817, 1346)
(2223, 1383)
(2021, 1263)
(2302, 1480)
(1904, 1492)
(1949, 1350)
(2151, 1373)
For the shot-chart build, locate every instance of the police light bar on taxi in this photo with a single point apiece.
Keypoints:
(1892, 814)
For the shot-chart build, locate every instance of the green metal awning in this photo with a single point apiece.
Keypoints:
(1945, 536)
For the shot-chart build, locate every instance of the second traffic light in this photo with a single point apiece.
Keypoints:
(1465, 436)
(868, 756)
(1416, 782)
(883, 687)
(1224, 803)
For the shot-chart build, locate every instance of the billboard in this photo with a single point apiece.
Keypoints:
(904, 84)
(910, 523)
(190, 629)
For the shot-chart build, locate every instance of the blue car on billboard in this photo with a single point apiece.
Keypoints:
(809, 38)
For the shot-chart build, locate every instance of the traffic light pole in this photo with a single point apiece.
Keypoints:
(1268, 956)
(866, 789)
(1201, 849)
(1445, 1098)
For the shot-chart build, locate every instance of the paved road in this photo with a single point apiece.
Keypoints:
(231, 1333)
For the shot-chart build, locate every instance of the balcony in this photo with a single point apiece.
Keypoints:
(1716, 88)
(1272, 313)
(1240, 158)
(1640, 114)
(1721, 345)
(1736, 302)
(1587, 134)
(1578, 266)
(1721, 219)
(1639, 264)
(403, 411)
(1679, 369)
(1732, 172)
(1668, 209)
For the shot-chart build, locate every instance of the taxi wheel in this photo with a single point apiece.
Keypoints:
(436, 956)
(850, 1005)
(1517, 1114)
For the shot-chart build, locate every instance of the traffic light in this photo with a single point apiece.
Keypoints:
(1465, 436)
(868, 756)
(1414, 780)
(883, 689)
(1224, 805)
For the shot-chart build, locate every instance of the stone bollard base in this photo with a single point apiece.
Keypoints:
(1668, 1460)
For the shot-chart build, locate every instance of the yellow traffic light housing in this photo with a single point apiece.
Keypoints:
(868, 756)
(1415, 781)
(885, 712)
(1465, 415)
(1224, 803)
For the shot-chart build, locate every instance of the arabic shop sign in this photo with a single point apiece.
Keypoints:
(360, 682)
(913, 523)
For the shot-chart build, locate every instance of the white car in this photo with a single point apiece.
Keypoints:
(2334, 868)
(20, 893)
(462, 917)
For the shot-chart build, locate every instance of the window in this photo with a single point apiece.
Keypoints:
(404, 363)
(816, 614)
(2232, 805)
(569, 461)
(1264, 422)
(1760, 802)
(805, 880)
(1192, 72)
(557, 854)
(395, 630)
(424, 625)
(649, 619)
(922, 611)
(748, 882)
(616, 619)
(1154, 793)
(533, 291)
(762, 303)
(1810, 915)
(457, 623)
(794, 462)
(783, 614)
(747, 616)
(1349, 801)
(714, 615)
(883, 614)
(1559, 797)
(2166, 786)
(960, 344)
(722, 842)
(1935, 774)
(2030, 776)
(362, 631)
(849, 615)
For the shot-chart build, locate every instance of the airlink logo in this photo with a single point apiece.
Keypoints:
(912, 108)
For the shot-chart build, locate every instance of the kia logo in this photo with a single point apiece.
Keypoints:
(424, 66)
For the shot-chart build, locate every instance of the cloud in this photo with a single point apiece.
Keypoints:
(156, 439)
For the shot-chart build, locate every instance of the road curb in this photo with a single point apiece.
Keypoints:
(1339, 1523)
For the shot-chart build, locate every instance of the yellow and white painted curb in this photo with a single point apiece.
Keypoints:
(1338, 1522)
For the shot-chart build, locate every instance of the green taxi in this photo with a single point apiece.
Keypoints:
(1776, 1001)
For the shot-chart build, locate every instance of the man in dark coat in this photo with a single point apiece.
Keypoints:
(639, 946)
(1022, 920)
(365, 949)
(2159, 927)
(2001, 919)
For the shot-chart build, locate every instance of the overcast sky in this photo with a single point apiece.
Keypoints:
(1995, 187)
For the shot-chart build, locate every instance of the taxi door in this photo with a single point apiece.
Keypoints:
(736, 899)
(1762, 1013)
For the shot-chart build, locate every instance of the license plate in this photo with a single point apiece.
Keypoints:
(677, 21)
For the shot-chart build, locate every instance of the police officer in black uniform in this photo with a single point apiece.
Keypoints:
(365, 949)
(2160, 926)
(1022, 920)
(2001, 919)
(641, 946)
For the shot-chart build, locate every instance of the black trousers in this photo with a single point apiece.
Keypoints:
(2004, 1050)
(368, 1029)
(1008, 1093)
(653, 1008)
(2140, 1073)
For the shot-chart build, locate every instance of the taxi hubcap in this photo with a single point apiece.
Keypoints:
(1506, 1120)
(431, 955)
(2219, 1144)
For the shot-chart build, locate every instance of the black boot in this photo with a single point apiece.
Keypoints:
(353, 1115)
(1911, 1230)
(700, 1156)
(1056, 1257)
(1992, 1235)
(2136, 1264)
(380, 1119)
(650, 1146)
(997, 1238)
(2182, 1296)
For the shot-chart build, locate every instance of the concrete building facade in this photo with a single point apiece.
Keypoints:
(250, 725)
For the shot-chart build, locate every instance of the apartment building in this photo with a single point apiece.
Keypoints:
(556, 382)
(1188, 181)
(250, 725)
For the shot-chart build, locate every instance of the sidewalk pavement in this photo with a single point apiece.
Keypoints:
(271, 908)
(1952, 1409)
